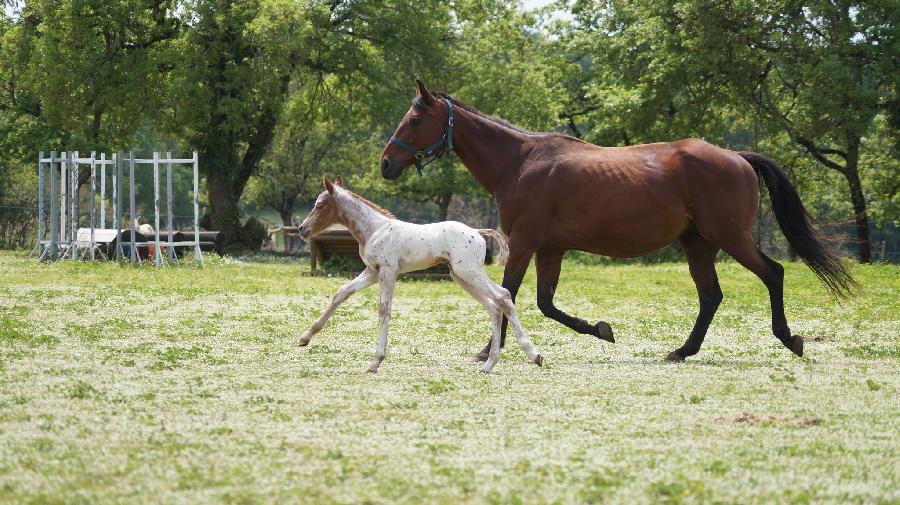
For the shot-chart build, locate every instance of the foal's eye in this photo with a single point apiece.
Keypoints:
(319, 205)
(416, 120)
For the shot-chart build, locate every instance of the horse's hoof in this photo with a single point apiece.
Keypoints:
(539, 360)
(303, 342)
(371, 370)
(797, 346)
(674, 357)
(482, 356)
(604, 331)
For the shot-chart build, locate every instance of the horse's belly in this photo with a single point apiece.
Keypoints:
(637, 235)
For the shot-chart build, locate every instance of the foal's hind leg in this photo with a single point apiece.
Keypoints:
(480, 283)
(745, 252)
(548, 268)
(701, 256)
(496, 316)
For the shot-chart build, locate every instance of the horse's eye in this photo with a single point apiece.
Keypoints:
(319, 205)
(416, 120)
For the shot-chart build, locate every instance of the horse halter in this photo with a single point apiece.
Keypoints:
(428, 152)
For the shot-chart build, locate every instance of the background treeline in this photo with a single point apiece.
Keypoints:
(273, 93)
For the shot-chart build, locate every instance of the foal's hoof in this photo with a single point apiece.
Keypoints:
(796, 346)
(603, 331)
(303, 342)
(674, 357)
(483, 355)
(539, 360)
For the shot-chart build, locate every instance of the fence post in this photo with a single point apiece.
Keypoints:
(63, 191)
(102, 190)
(54, 231)
(73, 202)
(39, 247)
(133, 255)
(197, 255)
(157, 254)
(93, 202)
(117, 204)
(169, 204)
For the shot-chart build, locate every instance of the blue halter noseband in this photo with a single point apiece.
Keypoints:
(428, 152)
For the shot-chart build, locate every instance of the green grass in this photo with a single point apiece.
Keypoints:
(184, 385)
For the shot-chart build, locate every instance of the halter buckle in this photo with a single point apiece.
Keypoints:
(420, 155)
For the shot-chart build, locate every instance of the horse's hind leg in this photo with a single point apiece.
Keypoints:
(516, 266)
(480, 283)
(745, 252)
(548, 268)
(701, 256)
(495, 315)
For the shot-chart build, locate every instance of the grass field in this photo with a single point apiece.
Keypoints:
(138, 385)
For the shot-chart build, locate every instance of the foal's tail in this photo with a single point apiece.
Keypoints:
(794, 222)
(501, 242)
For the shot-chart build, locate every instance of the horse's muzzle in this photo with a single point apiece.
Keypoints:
(389, 169)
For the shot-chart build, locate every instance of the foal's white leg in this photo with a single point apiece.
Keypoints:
(496, 318)
(362, 281)
(501, 297)
(386, 280)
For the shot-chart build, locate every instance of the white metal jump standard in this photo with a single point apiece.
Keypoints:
(63, 242)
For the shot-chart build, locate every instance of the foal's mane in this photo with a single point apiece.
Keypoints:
(378, 208)
(417, 102)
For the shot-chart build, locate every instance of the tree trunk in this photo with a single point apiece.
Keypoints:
(859, 213)
(224, 213)
(443, 202)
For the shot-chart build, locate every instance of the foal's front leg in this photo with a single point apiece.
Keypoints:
(386, 281)
(362, 281)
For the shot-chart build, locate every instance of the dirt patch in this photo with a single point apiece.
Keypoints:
(749, 418)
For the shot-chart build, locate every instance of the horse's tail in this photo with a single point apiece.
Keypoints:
(794, 223)
(501, 242)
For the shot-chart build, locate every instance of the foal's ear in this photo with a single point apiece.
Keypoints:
(328, 184)
(339, 181)
(424, 93)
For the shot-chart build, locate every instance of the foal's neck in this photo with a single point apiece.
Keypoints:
(361, 219)
(489, 150)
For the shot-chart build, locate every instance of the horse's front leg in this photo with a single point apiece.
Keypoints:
(386, 280)
(548, 264)
(362, 281)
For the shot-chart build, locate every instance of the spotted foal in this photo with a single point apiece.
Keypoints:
(390, 247)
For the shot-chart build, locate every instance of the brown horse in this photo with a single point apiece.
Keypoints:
(555, 193)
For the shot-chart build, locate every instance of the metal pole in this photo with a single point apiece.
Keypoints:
(73, 201)
(133, 255)
(157, 255)
(197, 255)
(41, 226)
(93, 202)
(102, 190)
(63, 192)
(169, 203)
(54, 232)
(117, 203)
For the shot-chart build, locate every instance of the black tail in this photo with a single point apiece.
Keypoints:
(794, 222)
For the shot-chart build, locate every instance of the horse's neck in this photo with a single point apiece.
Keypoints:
(361, 219)
(488, 150)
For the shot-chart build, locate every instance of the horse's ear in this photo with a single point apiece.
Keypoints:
(424, 93)
(339, 181)
(328, 184)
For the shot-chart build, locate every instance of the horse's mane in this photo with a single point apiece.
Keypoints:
(417, 101)
(378, 208)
